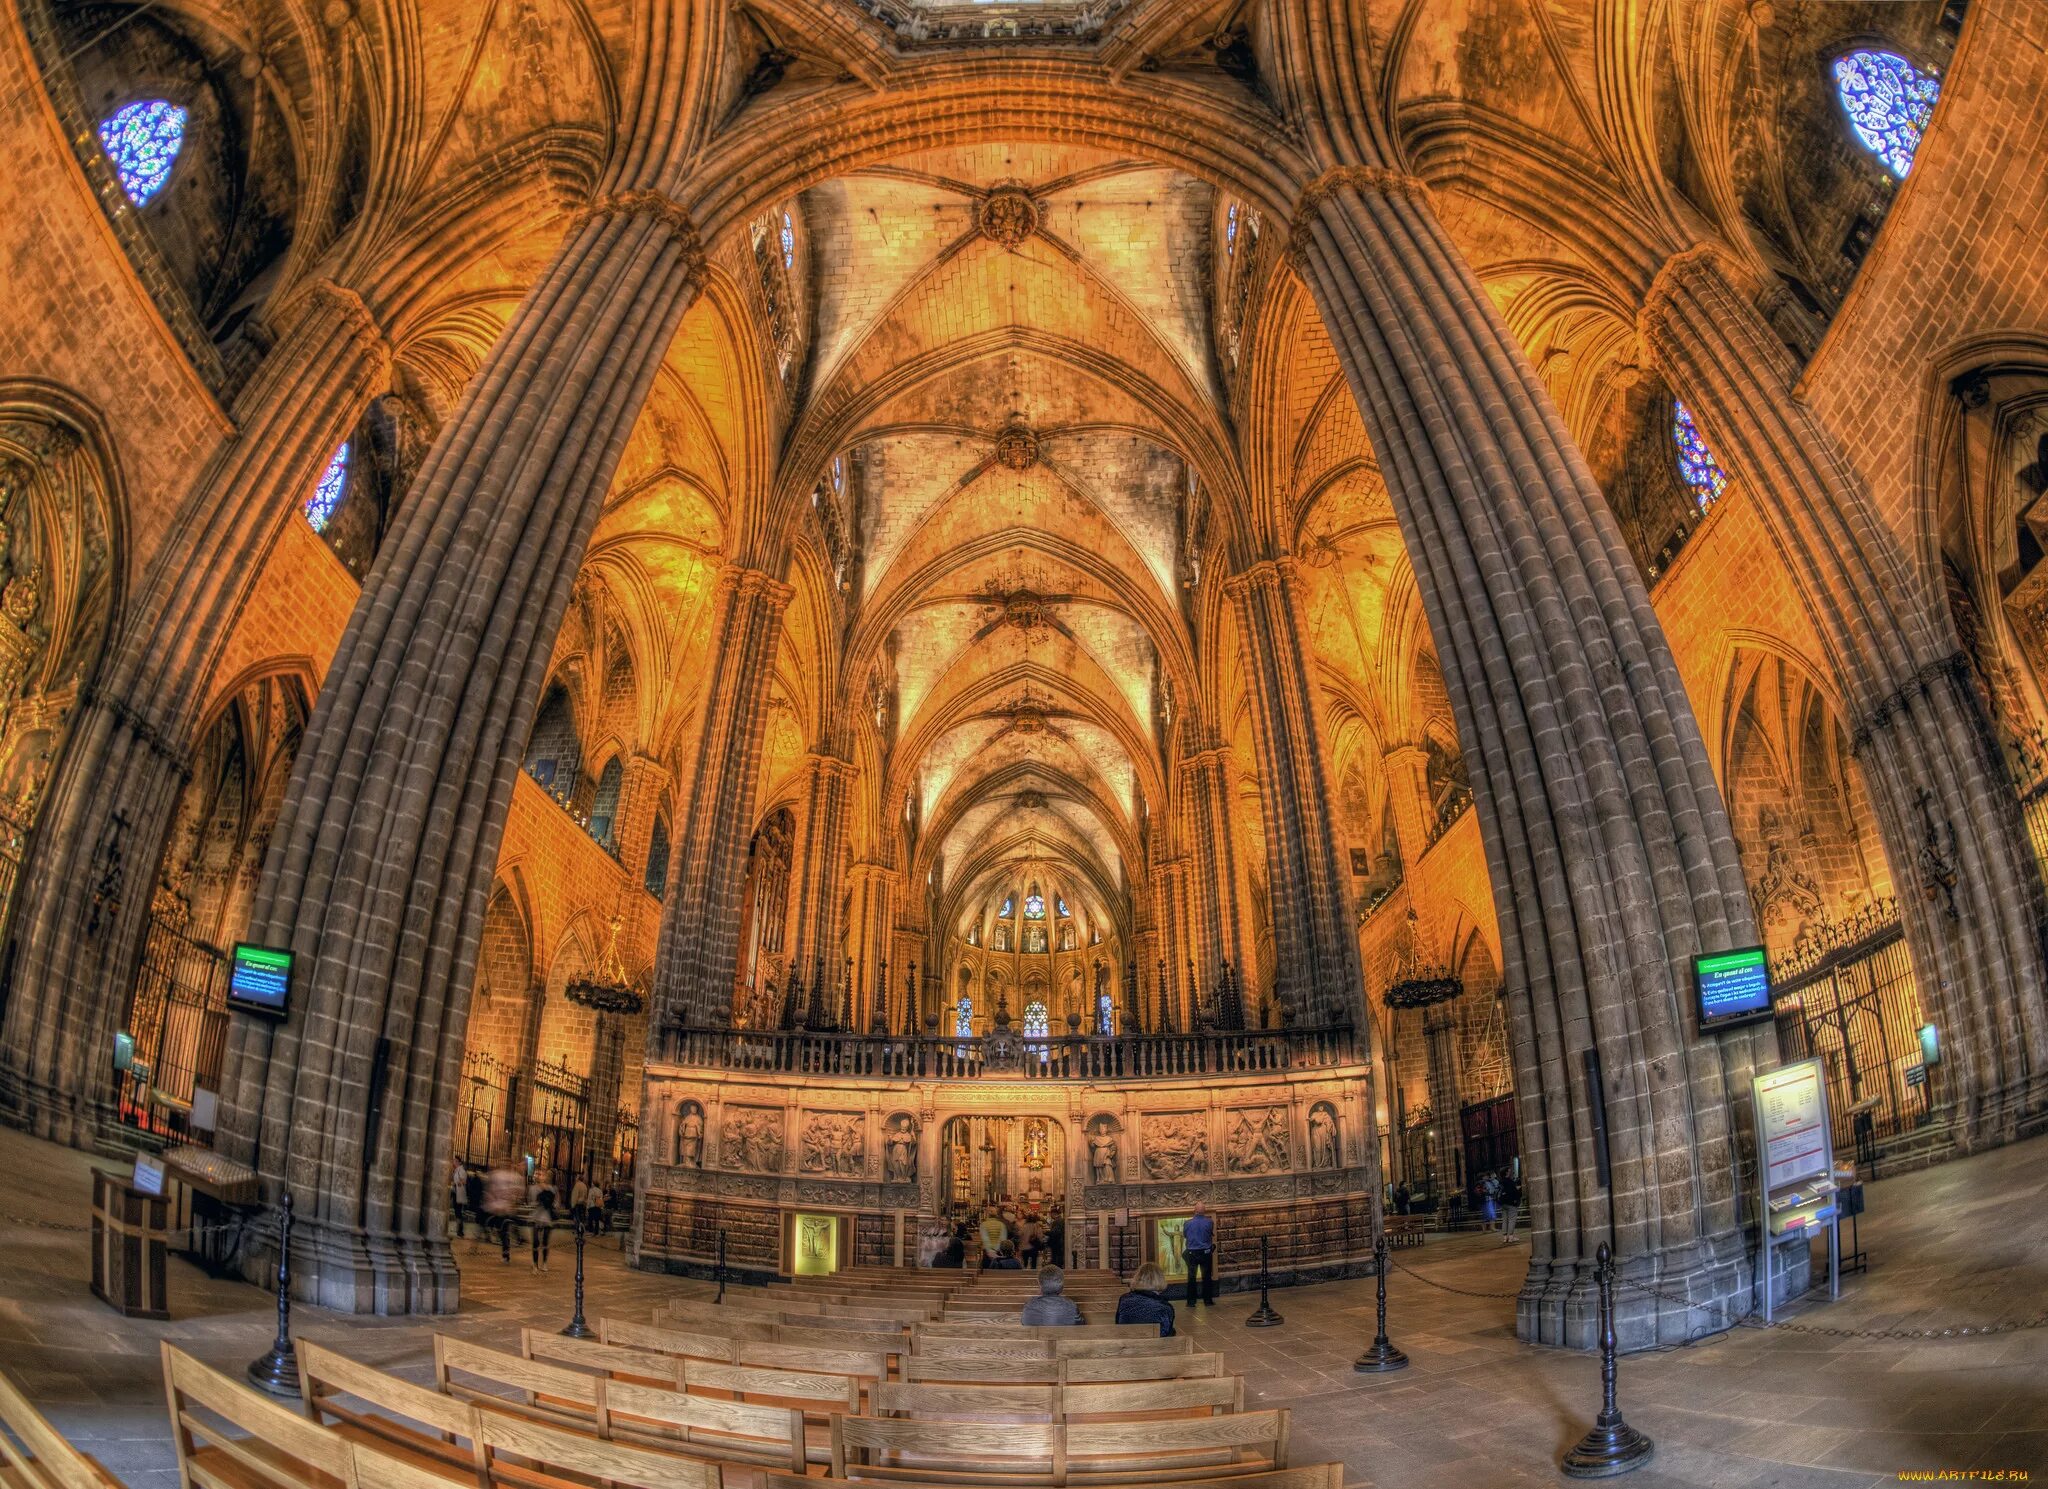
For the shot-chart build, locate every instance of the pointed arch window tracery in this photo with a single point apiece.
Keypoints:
(1888, 101)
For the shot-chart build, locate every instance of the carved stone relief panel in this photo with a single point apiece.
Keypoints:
(1255, 1140)
(752, 1139)
(1176, 1145)
(834, 1143)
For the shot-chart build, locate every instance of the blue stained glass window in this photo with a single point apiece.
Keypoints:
(1888, 100)
(963, 1018)
(1105, 1015)
(327, 495)
(1037, 1022)
(1009, 906)
(142, 140)
(1059, 905)
(1696, 462)
(1230, 231)
(1034, 906)
(788, 242)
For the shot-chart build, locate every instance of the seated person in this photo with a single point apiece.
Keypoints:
(1006, 1260)
(1052, 1305)
(1146, 1302)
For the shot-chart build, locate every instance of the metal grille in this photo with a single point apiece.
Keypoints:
(1858, 1010)
(179, 1017)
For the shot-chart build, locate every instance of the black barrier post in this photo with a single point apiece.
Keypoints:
(277, 1371)
(578, 1329)
(1380, 1356)
(719, 1272)
(1612, 1447)
(1264, 1316)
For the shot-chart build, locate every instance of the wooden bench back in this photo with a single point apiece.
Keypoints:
(509, 1439)
(726, 1323)
(1312, 1476)
(226, 1433)
(893, 1342)
(648, 1366)
(1165, 1449)
(1110, 1349)
(35, 1455)
(898, 1447)
(1215, 1393)
(824, 1391)
(537, 1388)
(974, 1402)
(985, 1369)
(1170, 1450)
(981, 1347)
(864, 1366)
(1011, 1329)
(725, 1429)
(407, 1417)
(662, 1340)
(1086, 1369)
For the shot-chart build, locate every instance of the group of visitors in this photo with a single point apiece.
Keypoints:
(1145, 1303)
(498, 1198)
(1011, 1240)
(1501, 1201)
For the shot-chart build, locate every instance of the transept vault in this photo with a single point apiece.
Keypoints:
(863, 606)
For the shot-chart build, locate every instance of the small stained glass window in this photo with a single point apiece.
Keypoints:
(142, 140)
(1230, 231)
(1889, 102)
(838, 474)
(963, 1018)
(1009, 906)
(327, 495)
(1037, 1022)
(1105, 1015)
(788, 241)
(1034, 906)
(1059, 905)
(1696, 462)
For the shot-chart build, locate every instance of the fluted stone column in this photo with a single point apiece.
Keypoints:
(641, 784)
(1317, 973)
(699, 948)
(1440, 1041)
(380, 866)
(819, 884)
(873, 888)
(1606, 837)
(116, 786)
(1970, 892)
(1217, 871)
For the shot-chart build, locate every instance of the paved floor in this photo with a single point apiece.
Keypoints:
(1962, 1244)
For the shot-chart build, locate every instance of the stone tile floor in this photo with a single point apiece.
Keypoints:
(1966, 1243)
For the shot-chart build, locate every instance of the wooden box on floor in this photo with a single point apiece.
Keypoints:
(130, 1248)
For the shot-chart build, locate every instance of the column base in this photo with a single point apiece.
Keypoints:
(354, 1270)
(56, 1115)
(1699, 1290)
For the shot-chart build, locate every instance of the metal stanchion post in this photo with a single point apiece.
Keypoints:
(277, 1370)
(1612, 1447)
(719, 1272)
(578, 1329)
(1380, 1356)
(1264, 1316)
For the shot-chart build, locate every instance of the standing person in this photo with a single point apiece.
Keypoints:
(542, 1222)
(1056, 1237)
(1198, 1245)
(473, 1194)
(1489, 1192)
(1511, 1206)
(579, 1202)
(1034, 1242)
(1052, 1307)
(501, 1203)
(458, 1187)
(1146, 1302)
(1401, 1198)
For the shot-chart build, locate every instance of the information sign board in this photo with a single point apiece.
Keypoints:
(1792, 1122)
(1734, 987)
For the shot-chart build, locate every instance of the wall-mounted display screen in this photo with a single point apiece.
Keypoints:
(1734, 987)
(260, 980)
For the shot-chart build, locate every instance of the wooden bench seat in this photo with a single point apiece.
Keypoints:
(1060, 1370)
(1010, 1402)
(1174, 1450)
(230, 1437)
(953, 1329)
(1052, 1344)
(34, 1455)
(368, 1405)
(688, 1343)
(1312, 1476)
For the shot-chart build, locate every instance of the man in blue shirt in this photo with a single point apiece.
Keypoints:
(1198, 1246)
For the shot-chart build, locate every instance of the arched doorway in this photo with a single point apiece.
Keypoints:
(1001, 1162)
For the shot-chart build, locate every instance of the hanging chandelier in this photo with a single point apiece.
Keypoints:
(608, 990)
(1424, 982)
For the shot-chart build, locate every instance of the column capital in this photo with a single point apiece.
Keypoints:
(1267, 573)
(1704, 266)
(339, 300)
(666, 210)
(1379, 179)
(743, 583)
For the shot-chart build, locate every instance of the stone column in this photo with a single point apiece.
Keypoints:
(1317, 975)
(1440, 1039)
(698, 952)
(1218, 871)
(873, 886)
(818, 883)
(1407, 769)
(1607, 841)
(641, 784)
(1970, 893)
(380, 866)
(110, 802)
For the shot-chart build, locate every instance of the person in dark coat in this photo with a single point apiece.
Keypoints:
(1146, 1302)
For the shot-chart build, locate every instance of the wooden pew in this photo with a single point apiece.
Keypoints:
(1314, 1476)
(645, 1367)
(230, 1437)
(867, 1367)
(1208, 1395)
(524, 1453)
(684, 1342)
(1088, 1369)
(1176, 1450)
(1060, 1370)
(405, 1420)
(950, 1329)
(1052, 1344)
(1043, 1370)
(531, 1388)
(1009, 1402)
(34, 1455)
(935, 1400)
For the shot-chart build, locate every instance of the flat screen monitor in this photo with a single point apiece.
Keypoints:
(1734, 987)
(260, 980)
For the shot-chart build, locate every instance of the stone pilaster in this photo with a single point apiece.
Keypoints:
(1970, 893)
(1223, 930)
(873, 888)
(641, 785)
(1317, 975)
(818, 886)
(380, 866)
(1607, 841)
(699, 947)
(116, 785)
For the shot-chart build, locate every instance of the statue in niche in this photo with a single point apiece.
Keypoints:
(752, 1139)
(690, 1135)
(900, 1164)
(834, 1143)
(1102, 1151)
(1176, 1145)
(1322, 1136)
(1258, 1141)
